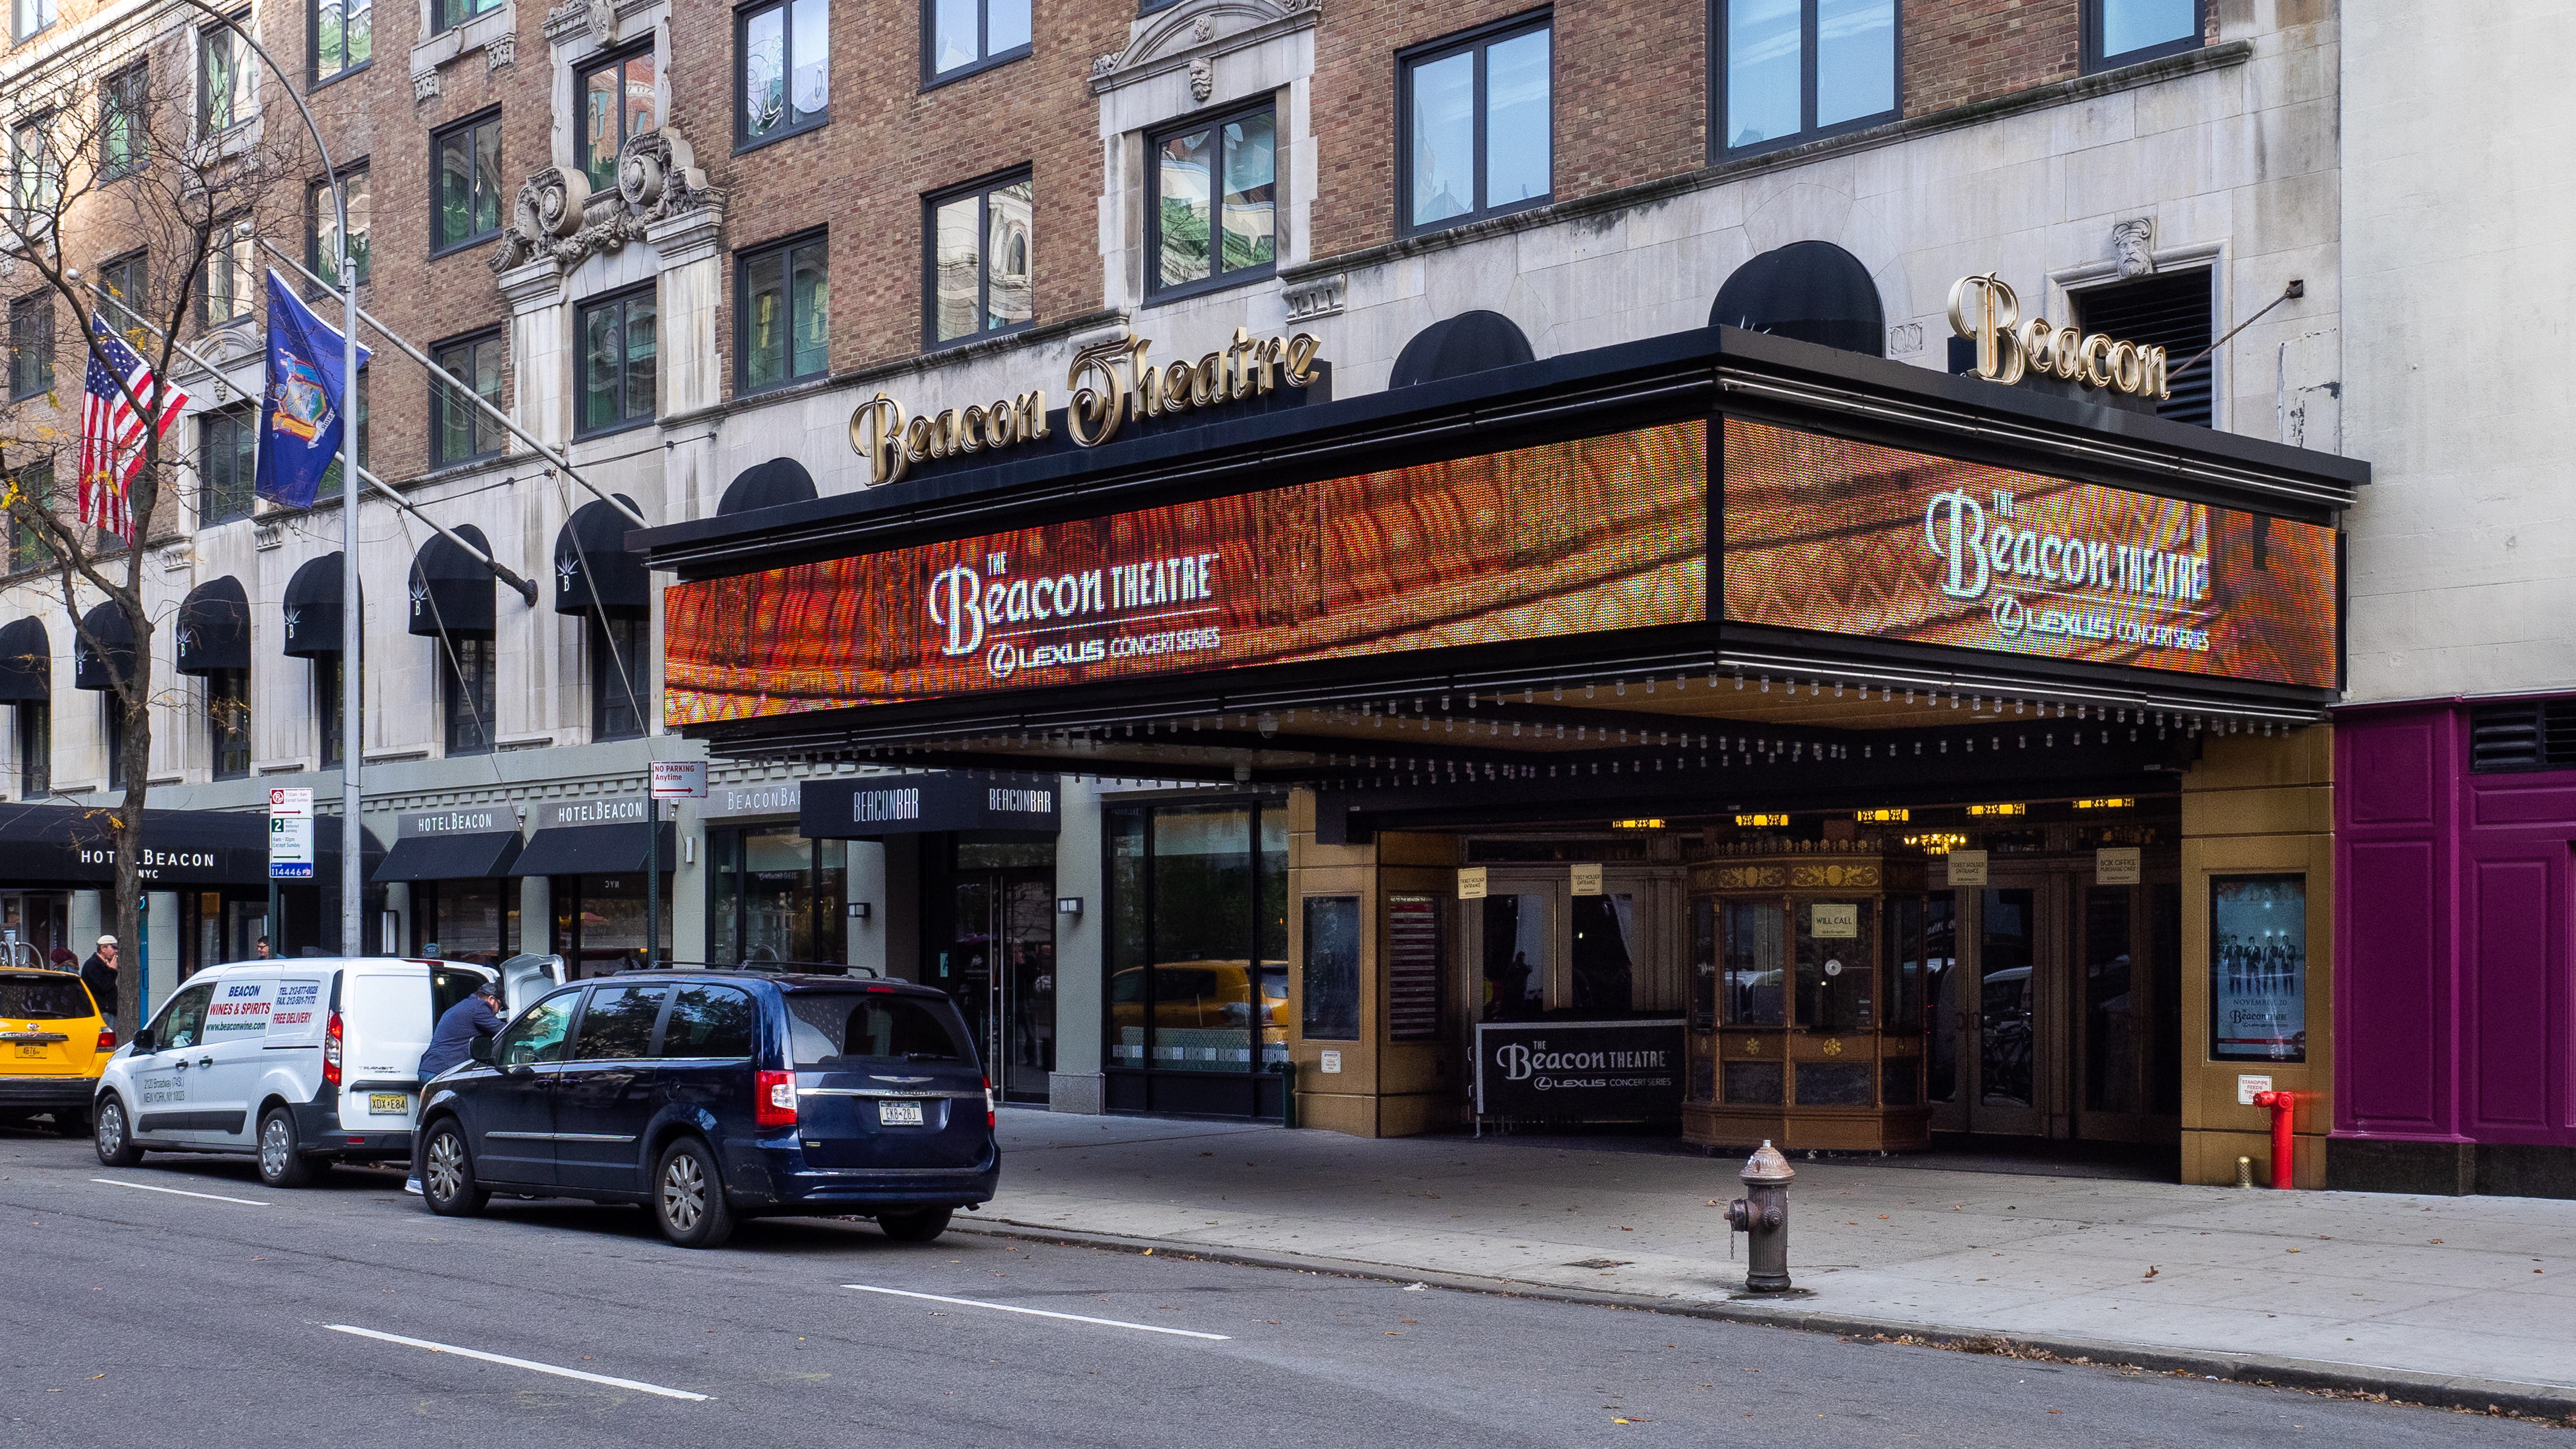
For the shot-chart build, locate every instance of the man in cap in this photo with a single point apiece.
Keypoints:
(98, 973)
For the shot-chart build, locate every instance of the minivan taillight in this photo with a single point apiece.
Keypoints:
(331, 1049)
(988, 1102)
(773, 1102)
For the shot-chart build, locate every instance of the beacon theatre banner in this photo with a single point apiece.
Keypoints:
(1548, 542)
(1853, 538)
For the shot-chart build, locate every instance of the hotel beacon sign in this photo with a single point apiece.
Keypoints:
(1984, 310)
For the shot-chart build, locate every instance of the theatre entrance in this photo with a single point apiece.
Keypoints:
(997, 957)
(2055, 1000)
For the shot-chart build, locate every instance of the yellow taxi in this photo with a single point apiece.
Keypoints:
(52, 1048)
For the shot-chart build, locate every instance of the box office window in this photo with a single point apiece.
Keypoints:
(599, 921)
(2258, 968)
(775, 896)
(1837, 970)
(1198, 958)
(1754, 989)
(465, 920)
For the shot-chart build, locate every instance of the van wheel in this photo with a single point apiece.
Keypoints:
(688, 1196)
(918, 1227)
(112, 1136)
(280, 1165)
(71, 1122)
(447, 1174)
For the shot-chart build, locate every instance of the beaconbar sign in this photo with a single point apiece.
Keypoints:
(1853, 538)
(871, 806)
(1564, 539)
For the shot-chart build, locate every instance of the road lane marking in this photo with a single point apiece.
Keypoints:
(529, 1364)
(180, 1192)
(1039, 1312)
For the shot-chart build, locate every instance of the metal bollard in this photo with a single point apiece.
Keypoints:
(1762, 1215)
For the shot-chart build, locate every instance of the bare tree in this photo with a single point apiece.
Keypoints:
(138, 198)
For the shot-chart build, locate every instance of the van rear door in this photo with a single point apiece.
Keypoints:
(885, 1079)
(387, 1011)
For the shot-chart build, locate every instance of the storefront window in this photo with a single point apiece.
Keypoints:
(1754, 965)
(599, 921)
(466, 920)
(774, 896)
(1516, 952)
(2258, 968)
(1198, 941)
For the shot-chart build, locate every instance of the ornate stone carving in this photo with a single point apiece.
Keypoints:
(500, 50)
(1103, 64)
(1203, 29)
(557, 216)
(2133, 245)
(603, 21)
(1202, 77)
(1316, 297)
(424, 87)
(1189, 36)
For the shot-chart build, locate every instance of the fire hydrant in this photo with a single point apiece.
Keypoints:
(1762, 1215)
(2283, 1105)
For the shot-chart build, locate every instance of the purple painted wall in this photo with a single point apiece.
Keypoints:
(2455, 970)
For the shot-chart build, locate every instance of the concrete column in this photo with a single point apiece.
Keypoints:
(688, 903)
(867, 882)
(1078, 1084)
(161, 930)
(536, 915)
(398, 904)
(88, 909)
(899, 914)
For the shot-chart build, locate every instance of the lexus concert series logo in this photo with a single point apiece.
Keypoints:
(967, 605)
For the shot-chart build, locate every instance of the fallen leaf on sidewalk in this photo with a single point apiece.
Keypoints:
(2151, 1272)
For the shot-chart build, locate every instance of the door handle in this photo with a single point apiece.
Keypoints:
(205, 1061)
(181, 1064)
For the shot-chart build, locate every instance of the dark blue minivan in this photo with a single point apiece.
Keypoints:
(717, 1095)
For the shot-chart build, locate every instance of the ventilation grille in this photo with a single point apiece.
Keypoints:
(2537, 734)
(2169, 311)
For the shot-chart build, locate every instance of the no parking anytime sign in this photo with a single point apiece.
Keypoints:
(1579, 1071)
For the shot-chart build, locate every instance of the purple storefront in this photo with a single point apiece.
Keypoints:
(2457, 1064)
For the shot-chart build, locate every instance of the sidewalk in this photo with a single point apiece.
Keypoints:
(2482, 1288)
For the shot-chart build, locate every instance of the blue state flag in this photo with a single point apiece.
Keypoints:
(300, 411)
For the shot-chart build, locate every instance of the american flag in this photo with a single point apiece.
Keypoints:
(111, 431)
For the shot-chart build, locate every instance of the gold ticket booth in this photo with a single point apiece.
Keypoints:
(1808, 963)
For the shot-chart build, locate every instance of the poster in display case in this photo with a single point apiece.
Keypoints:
(2258, 968)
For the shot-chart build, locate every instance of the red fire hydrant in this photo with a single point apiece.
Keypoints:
(2283, 1105)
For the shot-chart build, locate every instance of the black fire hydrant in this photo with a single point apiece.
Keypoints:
(1762, 1215)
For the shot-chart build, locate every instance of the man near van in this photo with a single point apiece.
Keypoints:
(453, 1041)
(98, 973)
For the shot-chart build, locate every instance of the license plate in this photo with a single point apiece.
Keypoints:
(33, 1049)
(388, 1104)
(899, 1114)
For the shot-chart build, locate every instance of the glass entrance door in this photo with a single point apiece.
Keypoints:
(1004, 977)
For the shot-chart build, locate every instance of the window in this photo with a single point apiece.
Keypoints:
(36, 182)
(343, 37)
(1198, 940)
(232, 276)
(618, 1023)
(329, 680)
(1792, 70)
(465, 692)
(112, 729)
(35, 751)
(460, 431)
(31, 345)
(2171, 310)
(226, 464)
(27, 551)
(773, 895)
(468, 183)
(449, 14)
(616, 105)
(617, 346)
(979, 261)
(2121, 32)
(322, 227)
(786, 58)
(538, 1035)
(123, 116)
(183, 1021)
(228, 722)
(329, 487)
(620, 681)
(1215, 206)
(963, 36)
(121, 287)
(711, 1021)
(225, 77)
(1479, 137)
(786, 307)
(838, 1029)
(26, 17)
(599, 922)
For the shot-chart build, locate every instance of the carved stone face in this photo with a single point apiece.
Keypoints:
(2132, 244)
(603, 21)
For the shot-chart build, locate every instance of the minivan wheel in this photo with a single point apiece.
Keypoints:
(688, 1196)
(447, 1174)
(280, 1165)
(112, 1137)
(918, 1227)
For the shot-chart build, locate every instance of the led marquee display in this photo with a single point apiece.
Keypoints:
(1853, 538)
(1563, 539)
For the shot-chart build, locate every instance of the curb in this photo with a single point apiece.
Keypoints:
(2444, 1391)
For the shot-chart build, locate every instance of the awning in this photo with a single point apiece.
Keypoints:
(1813, 291)
(71, 843)
(593, 571)
(593, 850)
(107, 625)
(26, 663)
(214, 628)
(1457, 346)
(483, 856)
(312, 609)
(451, 591)
(767, 485)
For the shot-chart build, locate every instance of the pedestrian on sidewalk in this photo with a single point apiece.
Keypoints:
(451, 1042)
(98, 973)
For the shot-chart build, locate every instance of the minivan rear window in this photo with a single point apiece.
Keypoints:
(825, 1027)
(39, 998)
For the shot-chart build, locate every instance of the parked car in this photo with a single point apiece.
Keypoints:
(296, 1063)
(53, 1044)
(717, 1095)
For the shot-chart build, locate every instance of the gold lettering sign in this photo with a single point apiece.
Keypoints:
(1984, 310)
(1111, 381)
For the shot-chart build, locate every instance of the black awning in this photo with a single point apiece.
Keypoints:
(767, 485)
(107, 626)
(451, 590)
(484, 856)
(26, 663)
(312, 609)
(77, 845)
(214, 628)
(1813, 291)
(1457, 346)
(594, 573)
(593, 850)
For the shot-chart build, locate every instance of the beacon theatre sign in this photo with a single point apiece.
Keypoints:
(1984, 310)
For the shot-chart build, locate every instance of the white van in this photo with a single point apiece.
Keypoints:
(296, 1063)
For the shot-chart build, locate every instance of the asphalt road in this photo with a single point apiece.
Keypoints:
(226, 1317)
